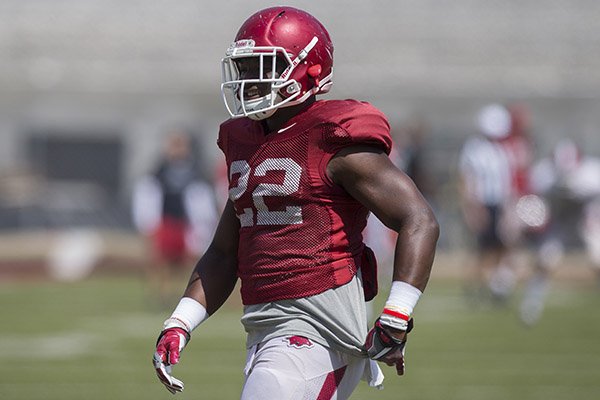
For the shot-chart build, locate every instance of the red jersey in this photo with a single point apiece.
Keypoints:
(300, 233)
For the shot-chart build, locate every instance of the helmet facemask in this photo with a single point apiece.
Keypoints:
(250, 87)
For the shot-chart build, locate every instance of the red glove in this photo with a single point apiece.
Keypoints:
(169, 345)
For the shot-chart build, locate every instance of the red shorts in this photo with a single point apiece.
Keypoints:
(169, 240)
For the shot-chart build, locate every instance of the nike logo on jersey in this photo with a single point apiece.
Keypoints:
(286, 128)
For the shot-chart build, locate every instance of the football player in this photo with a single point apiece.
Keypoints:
(175, 210)
(485, 191)
(566, 185)
(303, 177)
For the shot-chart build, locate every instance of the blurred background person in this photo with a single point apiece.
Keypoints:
(518, 146)
(590, 231)
(175, 209)
(485, 191)
(414, 157)
(567, 189)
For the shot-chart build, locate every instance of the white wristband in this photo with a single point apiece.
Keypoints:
(403, 297)
(188, 314)
(400, 305)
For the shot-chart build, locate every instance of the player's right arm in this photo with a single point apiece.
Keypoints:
(210, 284)
(215, 274)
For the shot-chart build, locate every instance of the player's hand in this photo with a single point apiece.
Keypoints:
(168, 348)
(387, 345)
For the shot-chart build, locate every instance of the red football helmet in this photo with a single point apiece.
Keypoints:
(288, 41)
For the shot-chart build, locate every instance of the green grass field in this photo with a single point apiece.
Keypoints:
(94, 340)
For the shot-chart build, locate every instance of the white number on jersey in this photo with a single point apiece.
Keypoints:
(264, 216)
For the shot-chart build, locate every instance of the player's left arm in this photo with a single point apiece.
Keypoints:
(369, 176)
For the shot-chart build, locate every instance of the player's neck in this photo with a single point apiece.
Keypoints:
(283, 115)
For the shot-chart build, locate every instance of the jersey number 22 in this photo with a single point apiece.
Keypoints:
(291, 182)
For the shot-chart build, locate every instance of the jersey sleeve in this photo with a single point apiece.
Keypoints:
(359, 123)
(222, 139)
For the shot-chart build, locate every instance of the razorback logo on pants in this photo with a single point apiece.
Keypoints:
(298, 341)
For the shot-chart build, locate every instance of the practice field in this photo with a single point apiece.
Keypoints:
(94, 340)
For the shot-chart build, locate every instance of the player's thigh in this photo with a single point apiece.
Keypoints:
(294, 368)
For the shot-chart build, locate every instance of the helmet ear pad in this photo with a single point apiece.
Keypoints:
(314, 72)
